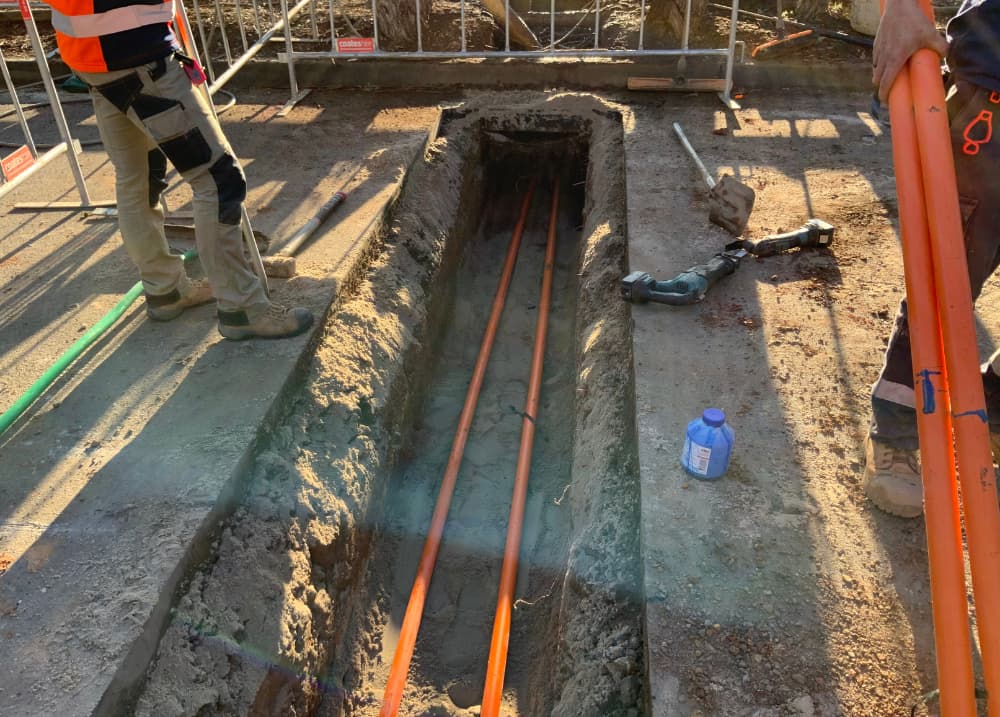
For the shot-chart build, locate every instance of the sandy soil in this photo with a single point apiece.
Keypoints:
(781, 588)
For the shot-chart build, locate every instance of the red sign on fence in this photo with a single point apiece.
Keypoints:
(16, 162)
(355, 44)
(22, 4)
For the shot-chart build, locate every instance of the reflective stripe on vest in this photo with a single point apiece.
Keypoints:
(117, 20)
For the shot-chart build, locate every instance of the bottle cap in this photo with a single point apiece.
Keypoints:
(714, 417)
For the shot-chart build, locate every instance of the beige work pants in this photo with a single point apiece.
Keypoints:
(153, 112)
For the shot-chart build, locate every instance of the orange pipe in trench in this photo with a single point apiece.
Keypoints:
(968, 405)
(493, 690)
(943, 523)
(415, 607)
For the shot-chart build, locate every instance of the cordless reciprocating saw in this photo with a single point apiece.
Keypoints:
(688, 287)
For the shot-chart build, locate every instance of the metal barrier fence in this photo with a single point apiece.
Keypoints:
(224, 28)
(253, 24)
(24, 162)
(230, 33)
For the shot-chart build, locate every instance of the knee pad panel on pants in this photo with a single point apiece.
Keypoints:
(231, 186)
(188, 151)
(170, 126)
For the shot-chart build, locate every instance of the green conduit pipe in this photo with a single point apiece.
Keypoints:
(72, 353)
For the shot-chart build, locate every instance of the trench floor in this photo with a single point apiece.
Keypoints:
(455, 633)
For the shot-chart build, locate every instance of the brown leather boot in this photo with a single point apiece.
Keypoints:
(169, 306)
(275, 322)
(891, 479)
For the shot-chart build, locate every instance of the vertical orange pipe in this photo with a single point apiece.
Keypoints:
(497, 665)
(180, 25)
(943, 522)
(415, 607)
(968, 405)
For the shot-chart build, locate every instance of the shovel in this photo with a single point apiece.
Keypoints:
(730, 201)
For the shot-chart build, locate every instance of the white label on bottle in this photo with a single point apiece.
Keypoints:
(699, 458)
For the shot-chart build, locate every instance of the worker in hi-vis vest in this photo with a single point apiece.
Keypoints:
(149, 111)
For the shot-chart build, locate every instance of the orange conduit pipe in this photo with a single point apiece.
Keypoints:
(180, 25)
(943, 523)
(968, 405)
(497, 665)
(415, 607)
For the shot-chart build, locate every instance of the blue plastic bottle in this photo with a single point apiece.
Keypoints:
(708, 444)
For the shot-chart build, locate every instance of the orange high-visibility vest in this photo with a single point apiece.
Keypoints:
(103, 35)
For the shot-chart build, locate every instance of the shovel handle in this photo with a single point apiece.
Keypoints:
(709, 180)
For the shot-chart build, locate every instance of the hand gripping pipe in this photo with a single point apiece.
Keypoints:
(958, 339)
(79, 346)
(968, 405)
(497, 665)
(415, 607)
(943, 523)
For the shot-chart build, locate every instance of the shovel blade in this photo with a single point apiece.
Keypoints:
(730, 205)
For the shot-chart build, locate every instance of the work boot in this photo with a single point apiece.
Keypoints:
(164, 307)
(891, 479)
(275, 322)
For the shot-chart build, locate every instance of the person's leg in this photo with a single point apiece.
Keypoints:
(894, 419)
(891, 477)
(162, 102)
(991, 388)
(977, 166)
(892, 474)
(175, 115)
(138, 183)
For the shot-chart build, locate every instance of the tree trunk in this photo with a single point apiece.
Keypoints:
(397, 23)
(665, 21)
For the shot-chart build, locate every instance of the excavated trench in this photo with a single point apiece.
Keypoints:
(298, 610)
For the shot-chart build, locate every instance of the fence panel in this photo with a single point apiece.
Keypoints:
(231, 32)
(399, 29)
(23, 163)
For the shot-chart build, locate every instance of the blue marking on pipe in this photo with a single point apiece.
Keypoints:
(981, 412)
(928, 389)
